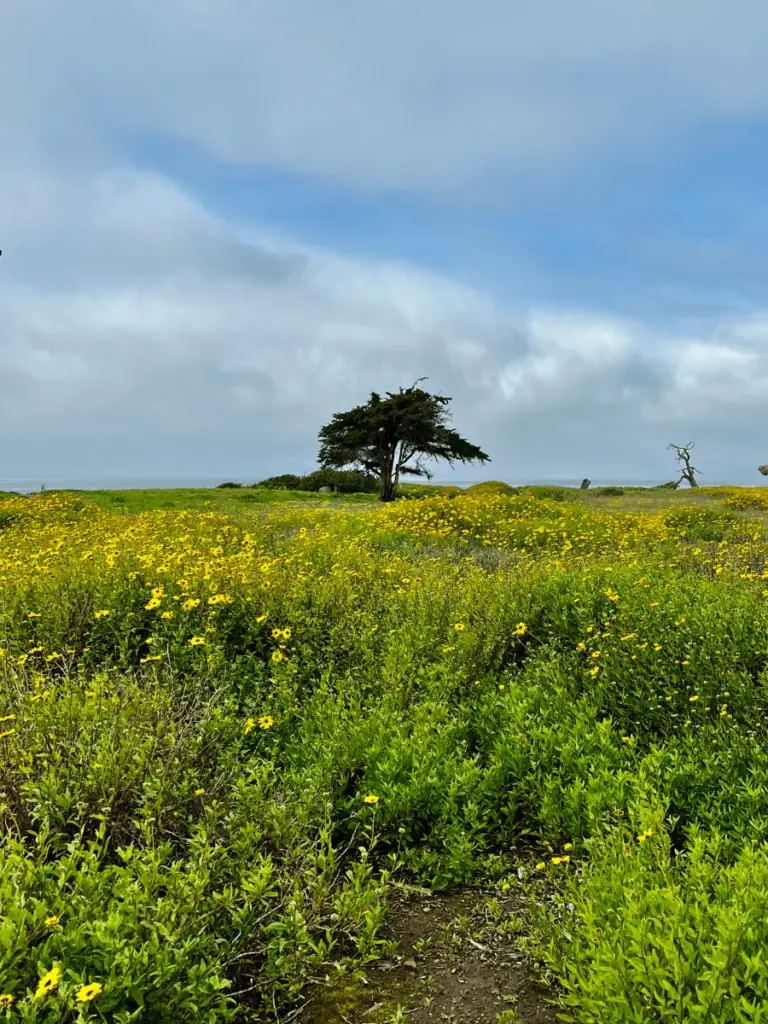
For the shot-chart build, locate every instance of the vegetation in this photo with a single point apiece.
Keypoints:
(228, 735)
(392, 437)
(344, 481)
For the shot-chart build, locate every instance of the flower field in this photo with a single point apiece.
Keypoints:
(226, 736)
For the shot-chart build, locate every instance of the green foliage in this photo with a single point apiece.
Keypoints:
(608, 492)
(492, 487)
(350, 481)
(392, 437)
(493, 673)
(702, 523)
(414, 491)
(547, 491)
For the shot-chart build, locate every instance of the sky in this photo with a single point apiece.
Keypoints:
(224, 220)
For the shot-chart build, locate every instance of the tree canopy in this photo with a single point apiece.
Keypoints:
(394, 436)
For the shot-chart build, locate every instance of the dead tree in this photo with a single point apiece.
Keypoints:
(684, 458)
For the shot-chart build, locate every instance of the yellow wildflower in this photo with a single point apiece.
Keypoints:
(48, 982)
(88, 992)
(370, 799)
(266, 722)
(51, 922)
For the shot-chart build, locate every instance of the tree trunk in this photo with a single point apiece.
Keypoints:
(388, 490)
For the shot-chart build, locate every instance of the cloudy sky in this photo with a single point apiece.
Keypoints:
(224, 220)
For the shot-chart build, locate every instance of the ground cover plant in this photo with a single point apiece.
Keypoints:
(227, 734)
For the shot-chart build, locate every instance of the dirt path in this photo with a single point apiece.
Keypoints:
(456, 964)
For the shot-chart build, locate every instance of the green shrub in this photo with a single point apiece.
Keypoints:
(608, 492)
(492, 487)
(345, 481)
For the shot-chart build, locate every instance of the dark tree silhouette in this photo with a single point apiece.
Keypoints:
(393, 436)
(684, 458)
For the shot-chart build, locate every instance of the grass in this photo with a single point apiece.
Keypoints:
(134, 501)
(231, 730)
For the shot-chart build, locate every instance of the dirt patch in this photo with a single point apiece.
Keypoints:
(456, 963)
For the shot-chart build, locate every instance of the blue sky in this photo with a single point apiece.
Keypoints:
(636, 238)
(223, 222)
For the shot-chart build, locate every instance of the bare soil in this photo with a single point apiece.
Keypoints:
(456, 963)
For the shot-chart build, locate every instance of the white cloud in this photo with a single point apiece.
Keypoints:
(168, 343)
(418, 95)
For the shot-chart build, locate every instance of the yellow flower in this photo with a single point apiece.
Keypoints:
(151, 657)
(520, 629)
(278, 656)
(447, 650)
(370, 799)
(286, 634)
(6, 999)
(197, 641)
(541, 866)
(568, 846)
(277, 634)
(48, 982)
(199, 792)
(593, 671)
(103, 613)
(8, 718)
(190, 603)
(459, 626)
(694, 698)
(262, 618)
(51, 922)
(88, 992)
(166, 615)
(266, 722)
(250, 725)
(8, 732)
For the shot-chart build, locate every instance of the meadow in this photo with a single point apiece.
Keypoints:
(232, 730)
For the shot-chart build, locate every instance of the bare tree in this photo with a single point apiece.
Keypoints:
(684, 458)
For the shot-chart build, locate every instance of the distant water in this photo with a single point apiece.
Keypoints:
(24, 485)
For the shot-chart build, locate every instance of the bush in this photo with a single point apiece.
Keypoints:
(285, 482)
(345, 481)
(492, 487)
(229, 483)
(608, 492)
